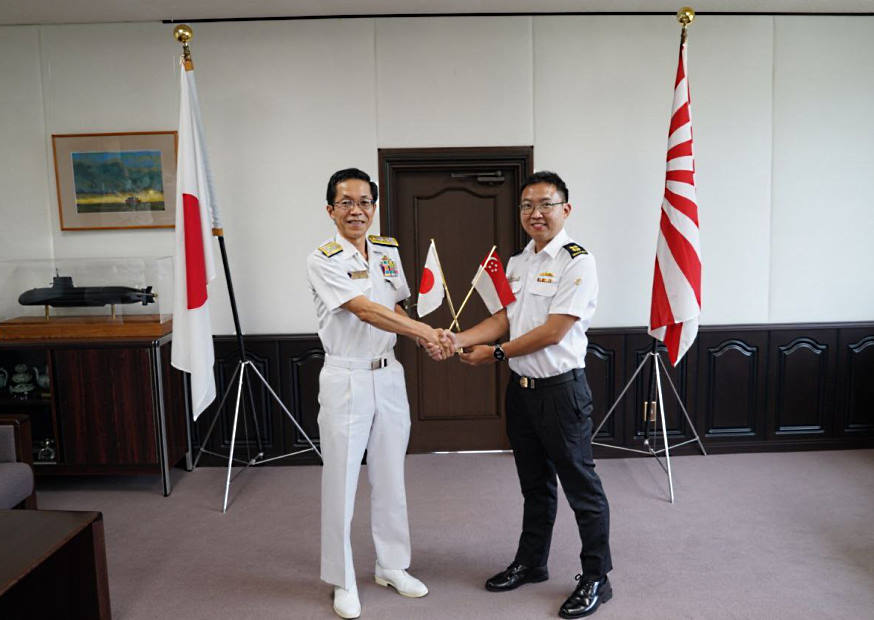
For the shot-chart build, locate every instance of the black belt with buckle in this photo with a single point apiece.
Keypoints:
(531, 383)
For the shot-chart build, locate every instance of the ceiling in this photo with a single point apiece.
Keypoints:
(96, 11)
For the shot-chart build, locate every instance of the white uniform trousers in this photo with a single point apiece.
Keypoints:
(358, 409)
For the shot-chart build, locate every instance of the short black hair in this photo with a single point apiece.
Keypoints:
(547, 176)
(345, 175)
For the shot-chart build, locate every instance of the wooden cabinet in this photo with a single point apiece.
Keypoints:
(113, 406)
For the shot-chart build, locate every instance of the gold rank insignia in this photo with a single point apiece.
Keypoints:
(389, 241)
(574, 249)
(546, 277)
(331, 248)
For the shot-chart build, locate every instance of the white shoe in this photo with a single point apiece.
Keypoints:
(346, 603)
(402, 581)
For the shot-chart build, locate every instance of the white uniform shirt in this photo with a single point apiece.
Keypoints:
(344, 275)
(552, 282)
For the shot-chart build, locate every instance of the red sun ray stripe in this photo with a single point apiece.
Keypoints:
(683, 205)
(679, 118)
(683, 149)
(684, 255)
(672, 341)
(195, 263)
(660, 311)
(681, 176)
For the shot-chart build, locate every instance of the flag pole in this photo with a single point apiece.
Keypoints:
(654, 422)
(446, 288)
(479, 273)
(183, 33)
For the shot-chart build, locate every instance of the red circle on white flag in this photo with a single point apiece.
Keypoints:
(427, 282)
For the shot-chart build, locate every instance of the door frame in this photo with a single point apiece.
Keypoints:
(393, 161)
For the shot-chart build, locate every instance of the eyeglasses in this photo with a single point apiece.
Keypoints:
(544, 207)
(345, 205)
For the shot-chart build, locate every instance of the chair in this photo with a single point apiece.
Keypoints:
(16, 474)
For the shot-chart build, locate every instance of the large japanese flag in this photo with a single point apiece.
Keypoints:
(195, 215)
(492, 284)
(676, 286)
(431, 284)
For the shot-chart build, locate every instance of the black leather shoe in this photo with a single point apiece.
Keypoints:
(589, 593)
(514, 576)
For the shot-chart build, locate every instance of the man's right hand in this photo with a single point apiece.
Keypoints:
(437, 344)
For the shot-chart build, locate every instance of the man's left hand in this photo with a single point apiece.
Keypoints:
(478, 355)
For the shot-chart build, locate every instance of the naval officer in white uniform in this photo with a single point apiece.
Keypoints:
(357, 282)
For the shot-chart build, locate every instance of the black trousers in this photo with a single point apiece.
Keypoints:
(550, 430)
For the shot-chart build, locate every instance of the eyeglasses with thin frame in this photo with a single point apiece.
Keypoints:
(544, 207)
(345, 205)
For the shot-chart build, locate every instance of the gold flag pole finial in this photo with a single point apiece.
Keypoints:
(685, 16)
(183, 33)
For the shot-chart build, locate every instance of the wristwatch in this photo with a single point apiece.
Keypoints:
(499, 353)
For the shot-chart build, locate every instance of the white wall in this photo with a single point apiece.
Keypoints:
(781, 111)
(823, 203)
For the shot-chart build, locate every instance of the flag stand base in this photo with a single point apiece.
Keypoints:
(656, 399)
(241, 375)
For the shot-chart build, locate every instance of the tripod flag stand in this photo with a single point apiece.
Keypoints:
(245, 368)
(676, 289)
(651, 420)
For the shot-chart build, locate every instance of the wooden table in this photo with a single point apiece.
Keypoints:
(52, 565)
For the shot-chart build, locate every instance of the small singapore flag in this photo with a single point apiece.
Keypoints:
(494, 289)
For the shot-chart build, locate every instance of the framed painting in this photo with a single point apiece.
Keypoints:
(116, 180)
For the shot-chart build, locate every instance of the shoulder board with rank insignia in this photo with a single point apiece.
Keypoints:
(390, 241)
(331, 248)
(574, 249)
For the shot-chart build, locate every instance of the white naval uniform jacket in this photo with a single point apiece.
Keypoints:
(360, 408)
(337, 273)
(560, 279)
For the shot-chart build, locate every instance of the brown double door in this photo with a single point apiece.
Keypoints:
(464, 199)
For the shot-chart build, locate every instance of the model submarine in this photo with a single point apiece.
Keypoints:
(62, 294)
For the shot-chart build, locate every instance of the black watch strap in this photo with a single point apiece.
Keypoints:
(499, 353)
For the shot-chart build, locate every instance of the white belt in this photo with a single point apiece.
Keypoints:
(360, 363)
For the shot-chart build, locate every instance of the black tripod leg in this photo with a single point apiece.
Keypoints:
(649, 405)
(251, 401)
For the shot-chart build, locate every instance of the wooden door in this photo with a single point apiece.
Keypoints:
(464, 199)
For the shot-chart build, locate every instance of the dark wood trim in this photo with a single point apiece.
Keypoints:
(729, 380)
(393, 161)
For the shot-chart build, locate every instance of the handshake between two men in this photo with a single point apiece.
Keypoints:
(469, 344)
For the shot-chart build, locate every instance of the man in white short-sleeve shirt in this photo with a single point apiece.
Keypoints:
(357, 283)
(548, 401)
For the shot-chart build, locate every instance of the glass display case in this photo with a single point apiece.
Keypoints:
(59, 298)
(85, 354)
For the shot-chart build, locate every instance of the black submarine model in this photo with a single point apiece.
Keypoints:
(62, 294)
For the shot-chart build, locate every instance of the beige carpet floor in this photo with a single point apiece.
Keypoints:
(768, 536)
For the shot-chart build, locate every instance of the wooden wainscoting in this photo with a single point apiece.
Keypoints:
(748, 388)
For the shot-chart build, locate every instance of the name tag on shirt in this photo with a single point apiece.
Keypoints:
(358, 275)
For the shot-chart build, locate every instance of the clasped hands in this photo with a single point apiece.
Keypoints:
(449, 343)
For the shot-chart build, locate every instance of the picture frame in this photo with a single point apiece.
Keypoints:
(110, 181)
